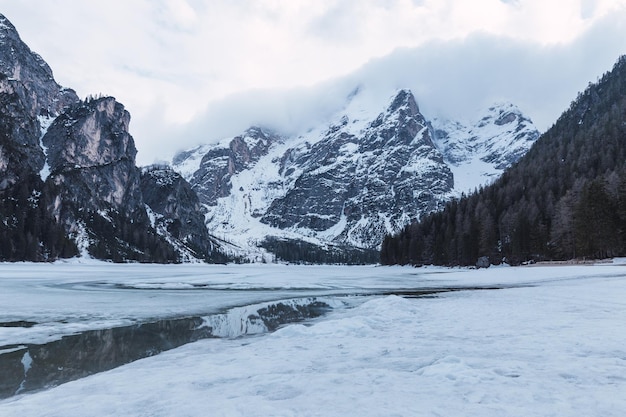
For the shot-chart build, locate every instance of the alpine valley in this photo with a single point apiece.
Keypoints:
(69, 184)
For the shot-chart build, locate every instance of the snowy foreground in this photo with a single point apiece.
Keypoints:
(553, 343)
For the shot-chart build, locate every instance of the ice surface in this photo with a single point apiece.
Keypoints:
(66, 298)
(554, 346)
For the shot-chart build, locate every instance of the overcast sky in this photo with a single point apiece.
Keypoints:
(192, 71)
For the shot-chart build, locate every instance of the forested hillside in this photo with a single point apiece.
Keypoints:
(566, 198)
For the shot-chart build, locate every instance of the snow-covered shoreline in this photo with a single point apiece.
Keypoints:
(552, 346)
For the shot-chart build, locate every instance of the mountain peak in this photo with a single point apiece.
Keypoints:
(402, 109)
(92, 133)
(370, 169)
(23, 69)
(6, 25)
(479, 150)
(404, 98)
(15, 54)
(503, 113)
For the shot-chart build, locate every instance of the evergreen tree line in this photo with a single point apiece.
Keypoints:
(301, 252)
(27, 230)
(566, 198)
(123, 238)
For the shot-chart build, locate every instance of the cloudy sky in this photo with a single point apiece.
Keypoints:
(192, 71)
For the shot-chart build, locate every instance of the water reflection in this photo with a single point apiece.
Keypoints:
(36, 367)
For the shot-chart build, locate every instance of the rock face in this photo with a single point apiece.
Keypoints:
(365, 174)
(98, 198)
(368, 182)
(29, 99)
(177, 214)
(89, 146)
(211, 176)
(18, 63)
(68, 180)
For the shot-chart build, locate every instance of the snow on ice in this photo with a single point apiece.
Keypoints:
(550, 342)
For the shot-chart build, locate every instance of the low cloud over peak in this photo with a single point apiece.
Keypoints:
(452, 79)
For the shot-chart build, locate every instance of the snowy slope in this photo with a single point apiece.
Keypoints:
(369, 170)
(478, 151)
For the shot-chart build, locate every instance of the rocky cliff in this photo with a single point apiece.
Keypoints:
(176, 213)
(68, 181)
(210, 169)
(96, 185)
(29, 99)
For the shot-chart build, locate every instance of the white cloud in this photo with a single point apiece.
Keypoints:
(449, 78)
(172, 58)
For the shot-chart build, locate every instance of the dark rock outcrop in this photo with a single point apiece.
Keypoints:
(177, 214)
(28, 95)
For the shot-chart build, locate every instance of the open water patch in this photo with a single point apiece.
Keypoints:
(33, 367)
(17, 323)
(436, 291)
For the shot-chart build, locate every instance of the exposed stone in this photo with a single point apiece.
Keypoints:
(212, 179)
(177, 212)
(92, 157)
(388, 175)
(483, 262)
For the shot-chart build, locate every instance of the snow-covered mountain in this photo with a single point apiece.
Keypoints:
(368, 171)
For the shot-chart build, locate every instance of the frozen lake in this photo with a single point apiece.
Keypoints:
(61, 299)
(549, 342)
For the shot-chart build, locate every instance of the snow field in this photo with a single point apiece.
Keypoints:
(556, 348)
